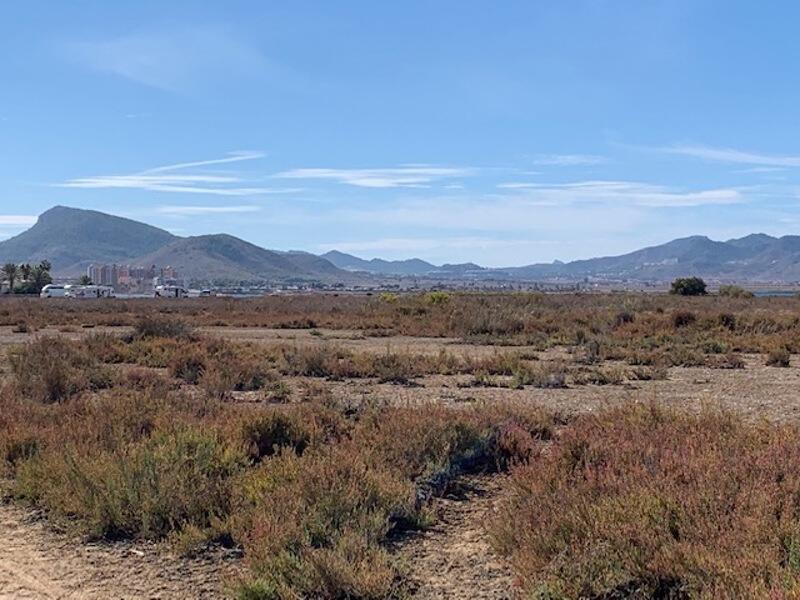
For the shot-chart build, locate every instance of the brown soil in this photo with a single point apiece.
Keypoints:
(38, 562)
(453, 559)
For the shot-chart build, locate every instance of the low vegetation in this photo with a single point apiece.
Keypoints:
(309, 492)
(162, 431)
(649, 502)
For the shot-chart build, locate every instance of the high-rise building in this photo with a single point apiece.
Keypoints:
(130, 278)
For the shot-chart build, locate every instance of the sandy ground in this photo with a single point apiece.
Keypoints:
(757, 391)
(38, 562)
(453, 558)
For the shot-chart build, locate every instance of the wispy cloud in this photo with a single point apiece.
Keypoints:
(395, 177)
(231, 158)
(417, 244)
(174, 60)
(568, 160)
(172, 178)
(621, 192)
(206, 210)
(730, 155)
(587, 208)
(763, 170)
(17, 220)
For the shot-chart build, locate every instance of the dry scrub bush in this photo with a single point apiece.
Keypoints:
(643, 502)
(121, 463)
(51, 369)
(160, 326)
(160, 484)
(309, 493)
(734, 291)
(313, 524)
(540, 320)
(778, 357)
(683, 318)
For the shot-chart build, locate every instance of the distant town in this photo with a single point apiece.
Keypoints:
(128, 279)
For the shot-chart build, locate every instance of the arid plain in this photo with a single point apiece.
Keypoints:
(429, 446)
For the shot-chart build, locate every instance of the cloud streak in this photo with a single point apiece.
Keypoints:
(169, 178)
(416, 244)
(396, 177)
(207, 210)
(730, 155)
(568, 160)
(621, 192)
(232, 157)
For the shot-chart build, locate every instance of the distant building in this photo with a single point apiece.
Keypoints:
(131, 279)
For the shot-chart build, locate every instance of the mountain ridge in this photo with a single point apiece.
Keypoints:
(72, 238)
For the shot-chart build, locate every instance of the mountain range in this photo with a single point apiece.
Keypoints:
(410, 267)
(753, 258)
(72, 238)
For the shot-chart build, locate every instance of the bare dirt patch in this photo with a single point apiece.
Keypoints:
(452, 559)
(38, 562)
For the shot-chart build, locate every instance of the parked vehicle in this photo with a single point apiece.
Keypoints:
(53, 290)
(171, 291)
(89, 291)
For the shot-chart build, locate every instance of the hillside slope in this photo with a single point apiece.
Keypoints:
(756, 257)
(71, 238)
(222, 257)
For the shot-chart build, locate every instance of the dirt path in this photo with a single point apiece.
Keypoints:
(453, 559)
(38, 563)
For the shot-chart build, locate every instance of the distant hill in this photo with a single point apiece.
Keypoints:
(223, 257)
(756, 257)
(312, 263)
(71, 238)
(412, 267)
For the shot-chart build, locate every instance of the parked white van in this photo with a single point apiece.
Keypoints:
(52, 290)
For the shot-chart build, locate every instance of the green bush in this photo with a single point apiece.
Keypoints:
(688, 286)
(437, 298)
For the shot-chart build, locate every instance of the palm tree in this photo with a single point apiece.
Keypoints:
(10, 272)
(85, 280)
(41, 275)
(25, 271)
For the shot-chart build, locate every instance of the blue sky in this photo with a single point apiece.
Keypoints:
(504, 133)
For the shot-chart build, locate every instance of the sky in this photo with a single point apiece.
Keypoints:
(503, 133)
